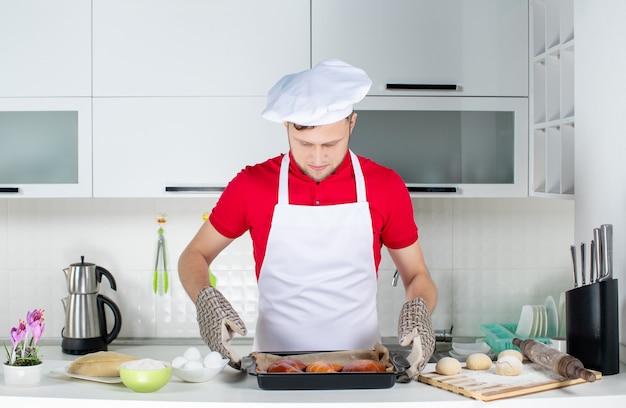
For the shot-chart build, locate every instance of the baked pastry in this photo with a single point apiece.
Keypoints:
(448, 366)
(323, 367)
(99, 364)
(287, 366)
(363, 366)
(478, 361)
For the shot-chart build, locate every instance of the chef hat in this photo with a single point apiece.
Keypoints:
(321, 95)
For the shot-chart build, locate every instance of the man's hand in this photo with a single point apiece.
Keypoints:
(218, 323)
(415, 326)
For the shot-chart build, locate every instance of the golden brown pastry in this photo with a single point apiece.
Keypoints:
(363, 366)
(99, 364)
(323, 367)
(287, 366)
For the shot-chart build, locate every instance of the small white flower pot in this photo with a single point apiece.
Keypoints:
(22, 376)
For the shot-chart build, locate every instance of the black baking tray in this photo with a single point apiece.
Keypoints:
(321, 381)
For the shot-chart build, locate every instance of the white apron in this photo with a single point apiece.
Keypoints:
(317, 285)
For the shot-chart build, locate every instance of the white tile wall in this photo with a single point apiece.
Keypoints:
(487, 256)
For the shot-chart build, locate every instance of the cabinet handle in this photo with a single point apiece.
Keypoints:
(192, 189)
(413, 189)
(431, 87)
(9, 190)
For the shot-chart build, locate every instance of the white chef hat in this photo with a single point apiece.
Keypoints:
(321, 95)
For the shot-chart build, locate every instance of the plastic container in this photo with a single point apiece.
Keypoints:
(500, 336)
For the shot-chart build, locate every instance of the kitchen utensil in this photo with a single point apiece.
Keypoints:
(606, 234)
(559, 362)
(553, 317)
(145, 380)
(574, 264)
(161, 258)
(201, 374)
(84, 277)
(593, 262)
(86, 330)
(597, 253)
(583, 263)
(526, 319)
(592, 325)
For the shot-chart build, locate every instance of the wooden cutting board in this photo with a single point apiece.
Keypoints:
(489, 386)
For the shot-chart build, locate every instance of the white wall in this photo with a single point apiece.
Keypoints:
(600, 133)
(487, 256)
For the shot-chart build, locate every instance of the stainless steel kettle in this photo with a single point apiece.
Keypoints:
(84, 277)
(86, 330)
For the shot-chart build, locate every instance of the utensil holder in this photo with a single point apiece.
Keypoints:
(592, 325)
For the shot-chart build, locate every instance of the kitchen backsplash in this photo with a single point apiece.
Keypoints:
(488, 257)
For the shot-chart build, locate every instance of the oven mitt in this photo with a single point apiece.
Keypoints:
(218, 323)
(415, 326)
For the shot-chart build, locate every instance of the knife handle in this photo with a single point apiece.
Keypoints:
(597, 254)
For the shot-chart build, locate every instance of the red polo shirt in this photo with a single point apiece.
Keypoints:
(247, 203)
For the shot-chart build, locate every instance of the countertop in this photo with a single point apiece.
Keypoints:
(232, 388)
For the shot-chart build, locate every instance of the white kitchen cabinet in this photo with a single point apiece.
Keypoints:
(45, 147)
(479, 46)
(146, 146)
(552, 99)
(45, 48)
(197, 47)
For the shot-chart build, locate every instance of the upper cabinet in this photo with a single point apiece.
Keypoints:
(426, 47)
(197, 47)
(45, 147)
(45, 48)
(158, 147)
(552, 99)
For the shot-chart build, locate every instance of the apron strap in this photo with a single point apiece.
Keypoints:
(283, 186)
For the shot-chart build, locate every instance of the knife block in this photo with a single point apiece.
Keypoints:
(592, 325)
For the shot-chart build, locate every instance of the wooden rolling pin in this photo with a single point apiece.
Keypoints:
(557, 361)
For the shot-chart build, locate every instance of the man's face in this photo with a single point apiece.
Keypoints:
(319, 150)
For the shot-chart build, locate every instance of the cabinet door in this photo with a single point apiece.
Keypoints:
(142, 146)
(197, 47)
(479, 45)
(45, 147)
(45, 48)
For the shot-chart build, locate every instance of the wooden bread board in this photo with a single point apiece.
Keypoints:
(489, 386)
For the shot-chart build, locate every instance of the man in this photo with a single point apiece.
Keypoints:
(318, 217)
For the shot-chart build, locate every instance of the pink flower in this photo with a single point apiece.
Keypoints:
(36, 323)
(18, 333)
(24, 350)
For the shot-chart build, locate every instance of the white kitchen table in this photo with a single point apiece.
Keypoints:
(235, 389)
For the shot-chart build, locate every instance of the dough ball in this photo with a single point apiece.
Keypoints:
(448, 366)
(509, 365)
(478, 361)
(513, 353)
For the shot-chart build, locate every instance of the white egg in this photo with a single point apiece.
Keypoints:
(179, 362)
(192, 353)
(193, 365)
(213, 359)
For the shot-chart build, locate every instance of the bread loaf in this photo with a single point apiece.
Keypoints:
(287, 366)
(323, 367)
(99, 364)
(363, 366)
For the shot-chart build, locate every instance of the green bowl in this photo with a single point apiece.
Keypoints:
(146, 380)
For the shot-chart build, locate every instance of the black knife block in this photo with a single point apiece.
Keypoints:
(592, 325)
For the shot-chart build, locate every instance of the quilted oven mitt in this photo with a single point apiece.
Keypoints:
(218, 323)
(415, 326)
